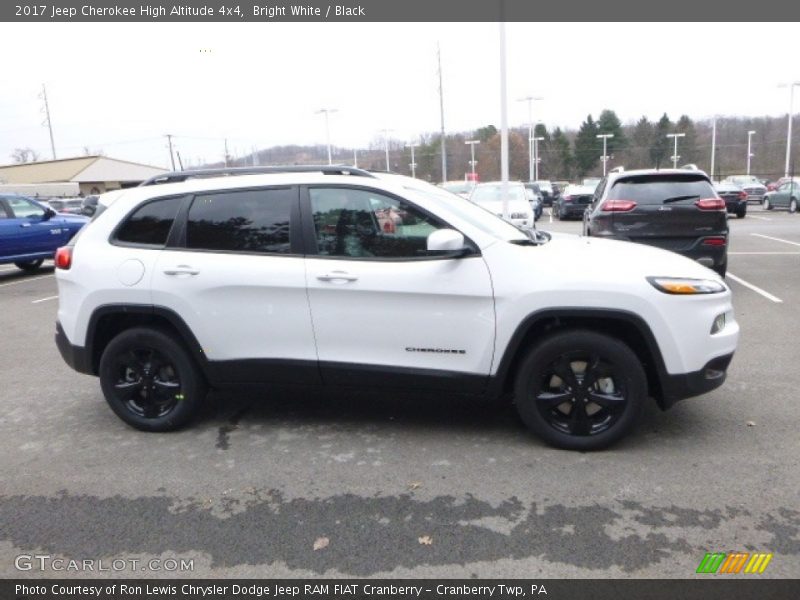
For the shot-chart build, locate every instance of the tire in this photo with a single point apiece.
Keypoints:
(163, 398)
(721, 270)
(30, 265)
(740, 214)
(766, 204)
(792, 206)
(624, 390)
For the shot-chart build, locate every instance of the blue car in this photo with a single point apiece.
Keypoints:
(31, 232)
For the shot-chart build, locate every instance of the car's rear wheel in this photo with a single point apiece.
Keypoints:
(792, 205)
(150, 381)
(766, 204)
(29, 265)
(740, 213)
(580, 390)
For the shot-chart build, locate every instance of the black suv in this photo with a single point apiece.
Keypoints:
(674, 209)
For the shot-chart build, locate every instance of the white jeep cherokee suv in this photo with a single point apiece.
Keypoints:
(336, 276)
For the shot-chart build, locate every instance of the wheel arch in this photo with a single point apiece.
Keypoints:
(626, 326)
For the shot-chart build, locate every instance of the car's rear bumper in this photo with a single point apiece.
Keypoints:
(75, 356)
(688, 385)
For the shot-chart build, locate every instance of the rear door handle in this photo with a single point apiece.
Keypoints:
(181, 270)
(337, 276)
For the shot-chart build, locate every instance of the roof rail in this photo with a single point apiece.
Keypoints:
(180, 176)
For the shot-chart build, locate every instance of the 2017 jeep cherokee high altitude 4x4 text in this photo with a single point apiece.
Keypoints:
(335, 276)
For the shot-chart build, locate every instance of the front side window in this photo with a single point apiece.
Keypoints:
(150, 224)
(364, 224)
(23, 208)
(241, 221)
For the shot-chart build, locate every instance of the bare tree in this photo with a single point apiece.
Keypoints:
(24, 155)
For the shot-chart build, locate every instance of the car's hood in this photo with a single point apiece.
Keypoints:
(610, 258)
(70, 218)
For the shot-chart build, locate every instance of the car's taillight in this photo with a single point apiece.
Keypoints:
(618, 205)
(742, 195)
(714, 241)
(710, 204)
(64, 257)
(567, 199)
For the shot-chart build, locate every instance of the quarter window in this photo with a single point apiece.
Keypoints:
(243, 221)
(150, 224)
(364, 224)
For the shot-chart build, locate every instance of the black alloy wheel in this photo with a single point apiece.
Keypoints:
(150, 381)
(580, 390)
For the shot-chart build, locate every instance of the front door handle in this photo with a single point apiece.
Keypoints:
(181, 270)
(24, 224)
(337, 276)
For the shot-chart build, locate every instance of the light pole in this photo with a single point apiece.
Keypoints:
(789, 125)
(327, 112)
(713, 144)
(413, 164)
(530, 100)
(749, 146)
(472, 163)
(386, 145)
(604, 158)
(675, 156)
(536, 159)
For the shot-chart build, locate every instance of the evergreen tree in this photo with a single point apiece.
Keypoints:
(587, 149)
(688, 144)
(608, 122)
(642, 140)
(660, 145)
(560, 156)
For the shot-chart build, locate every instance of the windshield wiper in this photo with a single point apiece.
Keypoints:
(679, 198)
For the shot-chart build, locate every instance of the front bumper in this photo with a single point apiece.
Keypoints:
(75, 356)
(688, 385)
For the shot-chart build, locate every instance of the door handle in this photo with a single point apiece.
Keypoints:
(24, 224)
(335, 276)
(181, 270)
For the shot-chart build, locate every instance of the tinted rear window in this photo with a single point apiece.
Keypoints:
(655, 190)
(150, 224)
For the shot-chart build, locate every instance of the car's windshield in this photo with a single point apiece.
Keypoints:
(493, 194)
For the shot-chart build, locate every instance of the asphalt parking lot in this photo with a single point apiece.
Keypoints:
(250, 488)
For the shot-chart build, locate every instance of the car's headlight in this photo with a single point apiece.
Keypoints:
(685, 286)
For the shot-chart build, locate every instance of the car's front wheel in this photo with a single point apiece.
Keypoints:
(29, 265)
(580, 390)
(792, 205)
(766, 204)
(150, 381)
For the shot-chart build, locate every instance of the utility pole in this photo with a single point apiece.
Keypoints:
(675, 156)
(789, 125)
(413, 164)
(171, 153)
(226, 153)
(47, 121)
(180, 162)
(503, 113)
(327, 112)
(441, 113)
(530, 100)
(536, 159)
(749, 146)
(604, 158)
(713, 144)
(355, 158)
(386, 145)
(473, 162)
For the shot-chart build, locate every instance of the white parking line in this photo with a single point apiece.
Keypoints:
(24, 280)
(762, 218)
(782, 253)
(756, 289)
(43, 299)
(769, 237)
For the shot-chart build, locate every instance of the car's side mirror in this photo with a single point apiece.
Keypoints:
(447, 241)
(49, 213)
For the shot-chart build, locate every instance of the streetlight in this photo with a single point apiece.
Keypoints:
(789, 126)
(604, 158)
(675, 156)
(536, 159)
(327, 112)
(386, 142)
(413, 164)
(530, 100)
(471, 144)
(713, 144)
(749, 153)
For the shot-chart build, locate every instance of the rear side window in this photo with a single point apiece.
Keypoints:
(243, 221)
(150, 223)
(673, 189)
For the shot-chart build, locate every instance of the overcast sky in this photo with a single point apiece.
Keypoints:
(120, 87)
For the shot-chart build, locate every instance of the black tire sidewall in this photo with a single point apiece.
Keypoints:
(609, 348)
(193, 387)
(29, 265)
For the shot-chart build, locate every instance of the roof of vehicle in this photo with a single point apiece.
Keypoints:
(612, 177)
(579, 190)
